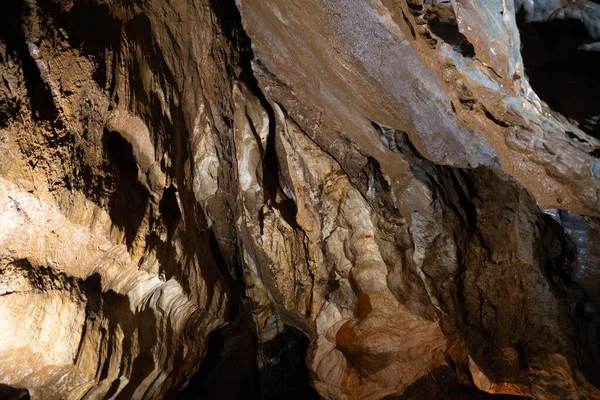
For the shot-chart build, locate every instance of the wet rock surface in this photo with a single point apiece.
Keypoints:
(261, 199)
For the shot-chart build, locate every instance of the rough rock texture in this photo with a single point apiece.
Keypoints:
(299, 199)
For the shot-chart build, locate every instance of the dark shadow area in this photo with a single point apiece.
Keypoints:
(441, 384)
(144, 363)
(235, 367)
(11, 393)
(561, 255)
(449, 33)
(116, 308)
(441, 19)
(271, 171)
(283, 370)
(169, 208)
(9, 101)
(381, 190)
(228, 369)
(230, 21)
(129, 199)
(120, 152)
(14, 13)
(462, 392)
(564, 76)
(234, 276)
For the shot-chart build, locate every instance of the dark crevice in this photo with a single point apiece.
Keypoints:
(120, 152)
(231, 348)
(12, 393)
(450, 34)
(237, 283)
(410, 27)
(129, 199)
(495, 120)
(399, 142)
(415, 7)
(573, 136)
(442, 22)
(379, 188)
(286, 206)
(465, 198)
(287, 350)
(560, 255)
(560, 71)
(169, 208)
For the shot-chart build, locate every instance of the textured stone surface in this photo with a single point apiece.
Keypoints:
(299, 199)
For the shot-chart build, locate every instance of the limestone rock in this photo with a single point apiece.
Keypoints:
(299, 199)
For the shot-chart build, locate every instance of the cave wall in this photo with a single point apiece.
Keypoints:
(328, 198)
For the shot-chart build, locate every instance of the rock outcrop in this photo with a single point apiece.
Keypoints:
(299, 199)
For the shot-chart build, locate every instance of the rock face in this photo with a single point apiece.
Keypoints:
(299, 199)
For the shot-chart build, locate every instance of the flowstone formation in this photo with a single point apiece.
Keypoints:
(266, 199)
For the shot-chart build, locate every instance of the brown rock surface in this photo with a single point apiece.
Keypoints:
(293, 199)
